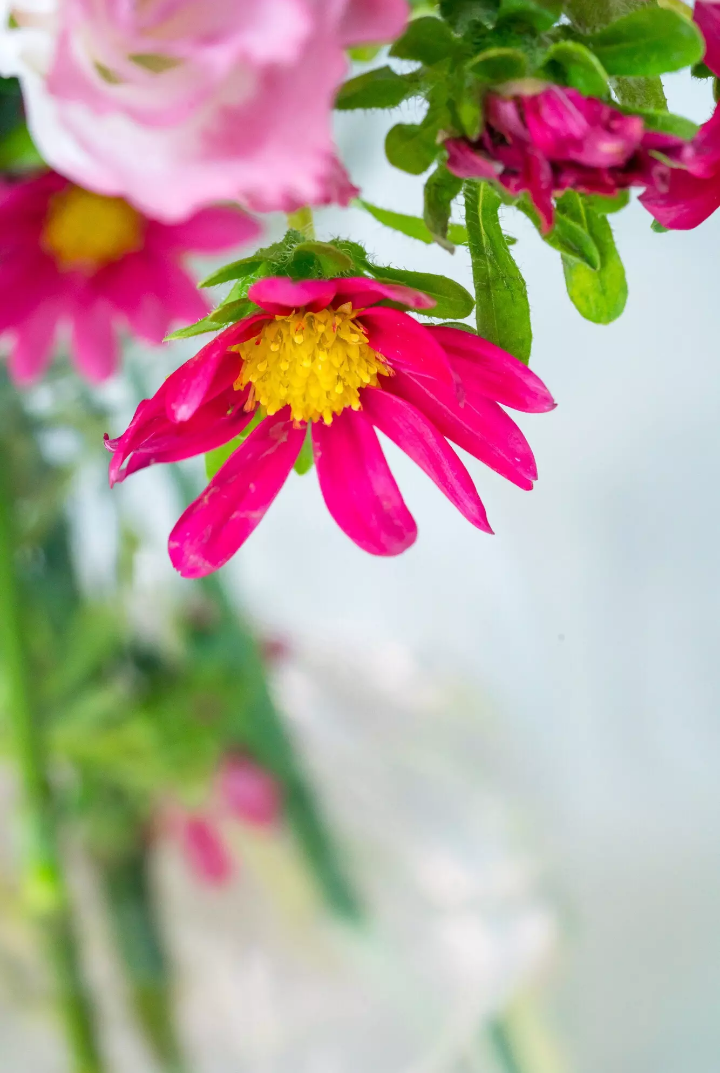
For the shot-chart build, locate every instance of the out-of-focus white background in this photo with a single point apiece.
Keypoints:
(585, 632)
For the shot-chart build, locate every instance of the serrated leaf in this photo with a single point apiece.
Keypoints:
(567, 237)
(427, 40)
(230, 312)
(649, 41)
(329, 252)
(411, 147)
(236, 270)
(574, 65)
(452, 301)
(463, 14)
(440, 191)
(666, 122)
(379, 88)
(598, 296)
(502, 310)
(540, 14)
(499, 64)
(200, 327)
(412, 226)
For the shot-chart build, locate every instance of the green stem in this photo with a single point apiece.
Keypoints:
(302, 220)
(46, 888)
(139, 942)
(501, 1040)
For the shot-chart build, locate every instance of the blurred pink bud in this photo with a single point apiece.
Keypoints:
(249, 792)
(206, 853)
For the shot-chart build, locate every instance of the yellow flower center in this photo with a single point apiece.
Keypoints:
(86, 230)
(315, 363)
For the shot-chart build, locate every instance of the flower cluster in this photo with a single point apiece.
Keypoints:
(555, 139)
(324, 357)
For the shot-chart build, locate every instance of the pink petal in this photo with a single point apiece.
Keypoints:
(407, 427)
(34, 340)
(707, 16)
(358, 488)
(479, 426)
(360, 291)
(95, 346)
(688, 201)
(221, 519)
(153, 292)
(468, 163)
(189, 384)
(373, 21)
(206, 852)
(280, 295)
(215, 423)
(406, 344)
(493, 371)
(249, 792)
(207, 231)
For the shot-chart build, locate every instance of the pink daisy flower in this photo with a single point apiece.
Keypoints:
(555, 140)
(76, 259)
(324, 358)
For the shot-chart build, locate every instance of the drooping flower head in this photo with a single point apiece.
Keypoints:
(326, 358)
(693, 193)
(72, 258)
(175, 104)
(555, 139)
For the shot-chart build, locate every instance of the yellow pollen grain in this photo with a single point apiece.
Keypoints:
(316, 363)
(86, 230)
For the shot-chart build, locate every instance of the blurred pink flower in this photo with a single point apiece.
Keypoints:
(707, 15)
(555, 140)
(175, 104)
(205, 850)
(71, 257)
(249, 792)
(325, 357)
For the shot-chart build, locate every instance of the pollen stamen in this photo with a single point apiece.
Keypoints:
(316, 363)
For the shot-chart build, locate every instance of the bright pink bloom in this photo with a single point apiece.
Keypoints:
(175, 104)
(205, 850)
(327, 349)
(557, 140)
(93, 264)
(249, 792)
(694, 194)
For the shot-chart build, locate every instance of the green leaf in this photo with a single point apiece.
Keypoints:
(364, 53)
(304, 461)
(650, 41)
(606, 205)
(567, 237)
(575, 65)
(18, 151)
(598, 296)
(452, 301)
(412, 226)
(666, 122)
(327, 252)
(411, 147)
(658, 228)
(462, 14)
(460, 325)
(379, 88)
(427, 40)
(247, 266)
(200, 327)
(501, 302)
(540, 14)
(231, 311)
(499, 64)
(440, 191)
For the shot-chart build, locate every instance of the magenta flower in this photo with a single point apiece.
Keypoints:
(555, 140)
(325, 358)
(205, 850)
(175, 104)
(72, 258)
(693, 194)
